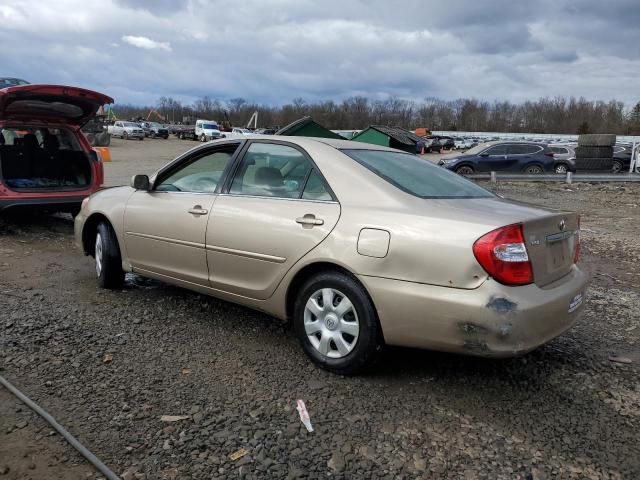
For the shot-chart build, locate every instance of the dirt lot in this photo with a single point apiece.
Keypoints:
(107, 365)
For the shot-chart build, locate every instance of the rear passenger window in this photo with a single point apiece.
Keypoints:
(316, 189)
(522, 149)
(271, 170)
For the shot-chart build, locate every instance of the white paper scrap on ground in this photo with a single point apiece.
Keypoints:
(304, 415)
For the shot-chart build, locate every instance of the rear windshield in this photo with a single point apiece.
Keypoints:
(416, 176)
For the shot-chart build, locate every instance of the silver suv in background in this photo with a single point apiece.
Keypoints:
(565, 157)
(126, 130)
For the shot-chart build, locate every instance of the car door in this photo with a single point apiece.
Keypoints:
(275, 208)
(492, 159)
(165, 227)
(520, 155)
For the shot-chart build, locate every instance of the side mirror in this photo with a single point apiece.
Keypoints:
(141, 182)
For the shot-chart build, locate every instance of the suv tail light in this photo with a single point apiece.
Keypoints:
(576, 255)
(503, 255)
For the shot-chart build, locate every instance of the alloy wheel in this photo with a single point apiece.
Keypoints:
(533, 170)
(561, 168)
(331, 323)
(464, 170)
(617, 167)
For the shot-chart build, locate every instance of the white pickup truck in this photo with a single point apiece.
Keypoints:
(126, 130)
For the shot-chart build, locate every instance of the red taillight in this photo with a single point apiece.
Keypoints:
(576, 255)
(503, 254)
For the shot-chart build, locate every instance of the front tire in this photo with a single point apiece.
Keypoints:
(203, 138)
(108, 260)
(336, 323)
(125, 136)
(465, 170)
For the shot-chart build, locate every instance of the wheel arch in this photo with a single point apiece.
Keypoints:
(311, 269)
(535, 163)
(90, 229)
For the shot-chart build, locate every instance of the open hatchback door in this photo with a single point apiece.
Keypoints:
(45, 159)
(57, 104)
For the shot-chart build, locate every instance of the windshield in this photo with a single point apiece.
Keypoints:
(416, 176)
(155, 125)
(210, 126)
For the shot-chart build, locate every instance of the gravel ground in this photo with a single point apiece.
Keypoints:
(108, 365)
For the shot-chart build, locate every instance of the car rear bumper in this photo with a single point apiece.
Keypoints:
(493, 320)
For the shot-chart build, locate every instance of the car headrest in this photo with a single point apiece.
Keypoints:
(269, 177)
(51, 143)
(30, 141)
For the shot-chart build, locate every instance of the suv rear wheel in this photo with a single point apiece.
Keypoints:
(533, 169)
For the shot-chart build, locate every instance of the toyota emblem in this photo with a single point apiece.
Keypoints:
(562, 225)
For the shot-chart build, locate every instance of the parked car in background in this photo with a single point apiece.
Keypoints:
(237, 132)
(440, 142)
(565, 157)
(525, 157)
(315, 231)
(155, 130)
(622, 157)
(126, 130)
(265, 131)
(207, 130)
(11, 82)
(45, 159)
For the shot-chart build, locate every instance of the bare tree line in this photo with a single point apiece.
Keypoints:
(545, 115)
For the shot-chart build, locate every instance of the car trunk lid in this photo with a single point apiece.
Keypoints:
(551, 243)
(51, 104)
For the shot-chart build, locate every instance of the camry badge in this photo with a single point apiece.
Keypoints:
(562, 225)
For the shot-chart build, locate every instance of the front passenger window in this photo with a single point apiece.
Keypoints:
(200, 175)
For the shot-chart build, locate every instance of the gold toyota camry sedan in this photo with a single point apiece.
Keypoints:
(357, 245)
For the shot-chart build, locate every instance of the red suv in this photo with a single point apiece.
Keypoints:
(45, 160)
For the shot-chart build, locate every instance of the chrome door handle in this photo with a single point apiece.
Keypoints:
(309, 219)
(198, 210)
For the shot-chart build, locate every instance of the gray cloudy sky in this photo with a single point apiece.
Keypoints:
(275, 50)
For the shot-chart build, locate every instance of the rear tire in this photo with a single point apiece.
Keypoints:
(340, 337)
(617, 166)
(108, 260)
(533, 169)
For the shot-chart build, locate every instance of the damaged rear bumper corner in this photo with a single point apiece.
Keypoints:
(492, 320)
